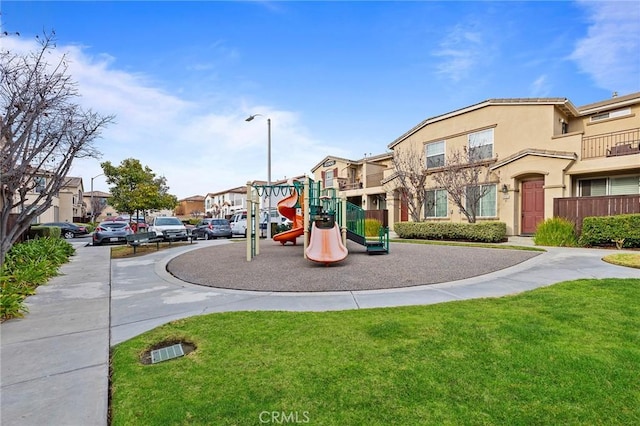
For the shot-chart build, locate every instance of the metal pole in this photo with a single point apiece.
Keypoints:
(269, 177)
(92, 214)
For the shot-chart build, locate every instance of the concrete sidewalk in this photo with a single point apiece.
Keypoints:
(55, 361)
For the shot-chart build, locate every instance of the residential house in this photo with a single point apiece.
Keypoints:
(225, 203)
(537, 151)
(71, 204)
(100, 200)
(190, 207)
(359, 181)
(66, 206)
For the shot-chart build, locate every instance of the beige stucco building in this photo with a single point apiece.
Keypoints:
(535, 151)
(358, 181)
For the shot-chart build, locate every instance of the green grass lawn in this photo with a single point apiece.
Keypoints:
(631, 260)
(564, 354)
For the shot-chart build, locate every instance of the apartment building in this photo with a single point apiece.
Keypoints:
(193, 206)
(99, 201)
(538, 152)
(359, 181)
(225, 203)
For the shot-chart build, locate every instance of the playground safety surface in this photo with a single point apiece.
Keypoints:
(281, 268)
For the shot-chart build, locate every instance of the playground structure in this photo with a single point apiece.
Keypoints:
(325, 220)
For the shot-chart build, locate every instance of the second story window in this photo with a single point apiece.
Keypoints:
(40, 184)
(481, 145)
(328, 179)
(435, 154)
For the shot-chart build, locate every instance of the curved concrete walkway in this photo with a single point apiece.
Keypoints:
(55, 361)
(144, 295)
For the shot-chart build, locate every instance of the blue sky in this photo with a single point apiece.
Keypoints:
(336, 78)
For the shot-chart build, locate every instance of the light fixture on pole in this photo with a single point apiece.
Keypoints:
(268, 192)
(93, 217)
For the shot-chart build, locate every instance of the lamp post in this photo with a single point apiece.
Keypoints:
(251, 117)
(93, 217)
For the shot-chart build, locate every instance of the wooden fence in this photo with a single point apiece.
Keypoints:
(381, 215)
(577, 208)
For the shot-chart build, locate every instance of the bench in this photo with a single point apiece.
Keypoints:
(622, 148)
(134, 240)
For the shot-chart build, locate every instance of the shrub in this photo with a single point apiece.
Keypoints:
(26, 266)
(372, 227)
(622, 230)
(488, 232)
(44, 231)
(556, 232)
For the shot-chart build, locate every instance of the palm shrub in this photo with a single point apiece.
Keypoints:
(372, 227)
(556, 232)
(28, 265)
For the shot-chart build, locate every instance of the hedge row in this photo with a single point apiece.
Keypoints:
(44, 231)
(621, 230)
(487, 232)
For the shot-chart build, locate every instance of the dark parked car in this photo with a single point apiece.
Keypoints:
(111, 232)
(68, 230)
(212, 228)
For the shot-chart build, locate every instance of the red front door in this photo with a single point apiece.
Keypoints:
(404, 208)
(532, 205)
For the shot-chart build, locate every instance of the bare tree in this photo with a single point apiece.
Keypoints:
(466, 180)
(42, 131)
(98, 205)
(409, 165)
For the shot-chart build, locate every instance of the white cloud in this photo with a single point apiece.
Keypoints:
(610, 52)
(461, 52)
(197, 145)
(540, 88)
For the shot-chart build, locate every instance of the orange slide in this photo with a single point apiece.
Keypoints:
(287, 208)
(325, 245)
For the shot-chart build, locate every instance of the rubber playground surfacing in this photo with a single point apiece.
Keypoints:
(281, 268)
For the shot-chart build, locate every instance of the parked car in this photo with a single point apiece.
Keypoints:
(212, 228)
(111, 231)
(68, 230)
(136, 223)
(239, 224)
(169, 227)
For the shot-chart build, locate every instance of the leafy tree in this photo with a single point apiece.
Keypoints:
(42, 131)
(136, 188)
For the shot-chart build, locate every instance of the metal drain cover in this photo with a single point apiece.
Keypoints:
(165, 354)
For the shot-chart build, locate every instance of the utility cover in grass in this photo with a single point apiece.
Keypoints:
(165, 354)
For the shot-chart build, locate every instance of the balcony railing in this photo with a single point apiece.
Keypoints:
(613, 144)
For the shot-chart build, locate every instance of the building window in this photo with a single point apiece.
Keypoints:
(40, 184)
(435, 154)
(328, 179)
(611, 114)
(627, 185)
(487, 204)
(435, 203)
(481, 145)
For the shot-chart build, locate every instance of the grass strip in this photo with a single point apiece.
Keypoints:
(631, 260)
(563, 354)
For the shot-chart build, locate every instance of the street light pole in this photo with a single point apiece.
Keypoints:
(93, 216)
(268, 192)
